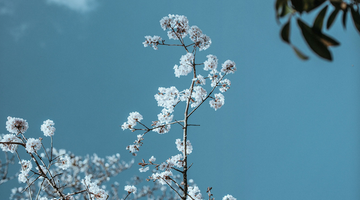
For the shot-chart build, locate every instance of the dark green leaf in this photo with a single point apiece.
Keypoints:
(318, 23)
(285, 10)
(332, 18)
(313, 41)
(309, 5)
(298, 5)
(356, 18)
(327, 41)
(336, 3)
(285, 32)
(344, 17)
(279, 6)
(299, 53)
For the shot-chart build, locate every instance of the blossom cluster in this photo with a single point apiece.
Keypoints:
(178, 28)
(48, 128)
(16, 125)
(94, 190)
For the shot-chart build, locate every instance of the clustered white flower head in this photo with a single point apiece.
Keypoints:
(228, 197)
(9, 147)
(153, 41)
(64, 162)
(186, 65)
(228, 67)
(94, 190)
(130, 189)
(180, 146)
(178, 25)
(132, 119)
(218, 101)
(194, 193)
(16, 125)
(163, 177)
(211, 63)
(33, 145)
(26, 166)
(174, 161)
(201, 40)
(48, 128)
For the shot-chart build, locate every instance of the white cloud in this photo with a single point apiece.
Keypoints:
(81, 6)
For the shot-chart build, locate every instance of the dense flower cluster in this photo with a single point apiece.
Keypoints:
(26, 166)
(16, 125)
(186, 65)
(228, 197)
(33, 145)
(130, 189)
(201, 40)
(180, 146)
(194, 193)
(178, 25)
(48, 128)
(153, 41)
(94, 190)
(218, 101)
(132, 119)
(9, 147)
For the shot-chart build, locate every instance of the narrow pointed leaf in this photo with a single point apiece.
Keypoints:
(314, 43)
(299, 53)
(279, 8)
(332, 18)
(356, 18)
(344, 17)
(328, 41)
(318, 23)
(285, 32)
(310, 5)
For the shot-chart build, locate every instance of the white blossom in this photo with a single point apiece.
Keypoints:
(130, 189)
(218, 102)
(26, 166)
(178, 25)
(167, 97)
(95, 191)
(16, 125)
(144, 169)
(132, 120)
(9, 147)
(152, 159)
(48, 128)
(228, 197)
(64, 162)
(163, 177)
(200, 80)
(180, 146)
(211, 63)
(33, 145)
(225, 85)
(185, 65)
(198, 96)
(194, 192)
(22, 177)
(201, 40)
(153, 41)
(228, 67)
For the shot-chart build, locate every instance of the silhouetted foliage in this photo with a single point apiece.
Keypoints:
(314, 35)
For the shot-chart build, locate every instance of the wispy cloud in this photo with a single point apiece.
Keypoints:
(19, 31)
(82, 6)
(6, 7)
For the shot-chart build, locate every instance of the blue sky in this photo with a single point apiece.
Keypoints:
(289, 129)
